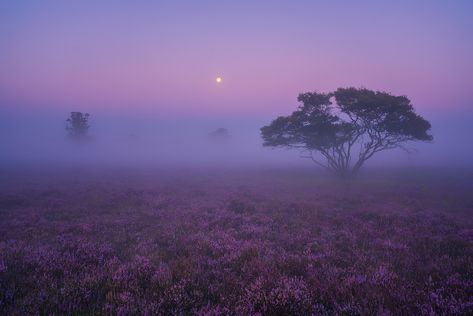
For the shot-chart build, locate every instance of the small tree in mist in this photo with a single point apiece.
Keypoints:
(347, 127)
(77, 126)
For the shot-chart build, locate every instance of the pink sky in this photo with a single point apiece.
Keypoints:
(101, 56)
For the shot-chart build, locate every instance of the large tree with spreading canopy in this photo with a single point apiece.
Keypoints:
(341, 130)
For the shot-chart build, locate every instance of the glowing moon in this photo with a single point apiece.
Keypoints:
(218, 79)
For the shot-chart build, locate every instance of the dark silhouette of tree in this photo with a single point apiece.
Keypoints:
(77, 126)
(347, 127)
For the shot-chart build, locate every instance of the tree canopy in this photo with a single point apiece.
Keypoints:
(347, 127)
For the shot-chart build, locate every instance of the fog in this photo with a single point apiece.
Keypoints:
(30, 138)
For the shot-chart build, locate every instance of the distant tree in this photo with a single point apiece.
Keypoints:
(220, 133)
(77, 126)
(347, 127)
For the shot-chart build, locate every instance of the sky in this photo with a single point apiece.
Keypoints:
(138, 61)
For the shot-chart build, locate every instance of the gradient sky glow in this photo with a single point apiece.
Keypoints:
(163, 56)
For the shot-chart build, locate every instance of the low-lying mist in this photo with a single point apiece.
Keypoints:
(154, 141)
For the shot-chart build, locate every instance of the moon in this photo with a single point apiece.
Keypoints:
(218, 79)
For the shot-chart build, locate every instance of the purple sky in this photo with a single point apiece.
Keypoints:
(148, 68)
(163, 56)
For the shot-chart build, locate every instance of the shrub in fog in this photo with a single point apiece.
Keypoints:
(219, 133)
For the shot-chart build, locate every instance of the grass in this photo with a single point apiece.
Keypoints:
(234, 242)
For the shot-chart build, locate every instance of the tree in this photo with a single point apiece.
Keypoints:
(77, 126)
(347, 127)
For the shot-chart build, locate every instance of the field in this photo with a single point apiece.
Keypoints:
(235, 242)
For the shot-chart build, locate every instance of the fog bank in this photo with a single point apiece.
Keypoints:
(153, 140)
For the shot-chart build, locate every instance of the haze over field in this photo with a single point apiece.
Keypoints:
(156, 139)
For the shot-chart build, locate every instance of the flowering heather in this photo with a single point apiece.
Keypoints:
(234, 243)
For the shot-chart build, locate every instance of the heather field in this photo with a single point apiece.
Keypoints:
(235, 242)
